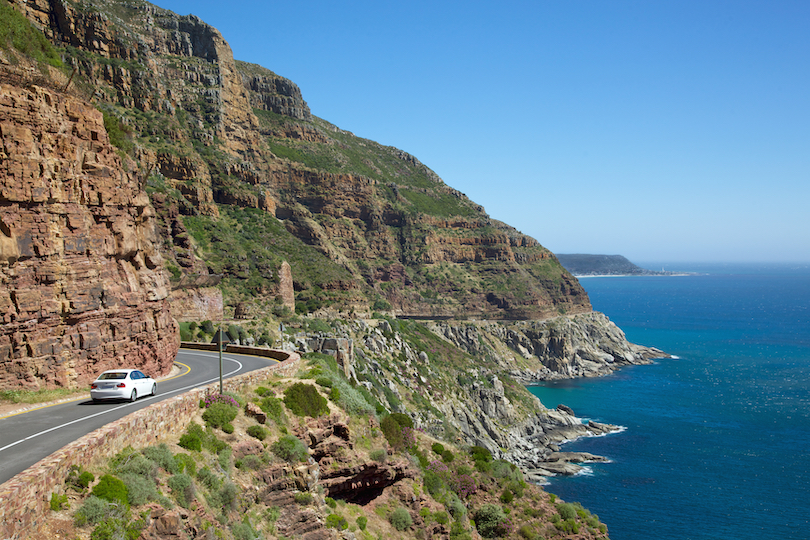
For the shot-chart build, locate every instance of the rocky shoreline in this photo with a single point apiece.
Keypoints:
(486, 402)
(583, 345)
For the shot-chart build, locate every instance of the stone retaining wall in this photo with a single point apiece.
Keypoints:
(25, 499)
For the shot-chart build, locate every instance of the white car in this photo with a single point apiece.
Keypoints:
(122, 384)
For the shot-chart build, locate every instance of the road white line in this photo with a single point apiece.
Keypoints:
(106, 411)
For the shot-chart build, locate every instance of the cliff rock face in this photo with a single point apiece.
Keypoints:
(82, 284)
(583, 345)
(208, 131)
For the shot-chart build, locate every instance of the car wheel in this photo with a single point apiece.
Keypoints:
(134, 395)
(154, 389)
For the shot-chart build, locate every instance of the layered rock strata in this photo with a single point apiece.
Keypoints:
(82, 284)
(583, 345)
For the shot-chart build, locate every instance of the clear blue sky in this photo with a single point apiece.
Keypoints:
(659, 130)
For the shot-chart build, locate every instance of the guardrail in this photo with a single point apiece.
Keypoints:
(25, 499)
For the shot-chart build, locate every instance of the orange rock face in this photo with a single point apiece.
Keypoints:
(82, 283)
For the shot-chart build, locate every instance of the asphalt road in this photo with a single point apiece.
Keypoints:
(27, 437)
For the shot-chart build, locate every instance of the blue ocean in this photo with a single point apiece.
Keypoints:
(717, 440)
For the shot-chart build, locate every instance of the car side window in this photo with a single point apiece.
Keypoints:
(135, 375)
(140, 375)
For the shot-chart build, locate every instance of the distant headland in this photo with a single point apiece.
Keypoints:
(604, 265)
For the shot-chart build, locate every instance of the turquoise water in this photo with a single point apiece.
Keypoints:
(717, 441)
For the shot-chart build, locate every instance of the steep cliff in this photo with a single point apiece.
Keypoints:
(82, 280)
(379, 230)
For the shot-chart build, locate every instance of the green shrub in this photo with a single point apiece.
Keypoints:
(448, 456)
(380, 455)
(400, 519)
(290, 448)
(330, 502)
(140, 489)
(58, 501)
(402, 419)
(116, 529)
(251, 462)
(111, 489)
(441, 517)
(219, 414)
(479, 453)
(262, 390)
(161, 455)
(274, 409)
(135, 464)
(324, 381)
(456, 507)
(394, 427)
(567, 511)
(457, 532)
(303, 497)
(257, 432)
(438, 448)
(190, 441)
(489, 521)
(336, 521)
(185, 463)
(362, 522)
(79, 479)
(243, 530)
(507, 496)
(227, 495)
(95, 510)
(224, 457)
(533, 512)
(433, 483)
(528, 533)
(517, 488)
(416, 452)
(207, 478)
(304, 400)
(227, 428)
(182, 489)
(334, 395)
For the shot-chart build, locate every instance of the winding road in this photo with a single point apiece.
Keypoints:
(29, 436)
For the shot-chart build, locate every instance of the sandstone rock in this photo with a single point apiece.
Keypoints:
(252, 410)
(86, 266)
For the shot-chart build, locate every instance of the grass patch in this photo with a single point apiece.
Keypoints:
(17, 32)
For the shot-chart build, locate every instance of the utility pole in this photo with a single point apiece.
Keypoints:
(220, 359)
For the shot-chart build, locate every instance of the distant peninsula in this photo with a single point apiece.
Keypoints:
(604, 265)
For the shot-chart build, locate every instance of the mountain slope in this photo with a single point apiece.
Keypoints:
(379, 230)
(609, 265)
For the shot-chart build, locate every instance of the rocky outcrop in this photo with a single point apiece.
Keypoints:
(488, 418)
(583, 345)
(478, 399)
(197, 304)
(83, 285)
(270, 92)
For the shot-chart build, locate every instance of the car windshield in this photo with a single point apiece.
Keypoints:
(108, 376)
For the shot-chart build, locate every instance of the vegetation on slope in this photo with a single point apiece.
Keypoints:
(17, 32)
(230, 474)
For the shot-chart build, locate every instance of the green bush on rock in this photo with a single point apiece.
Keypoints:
(400, 519)
(304, 400)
